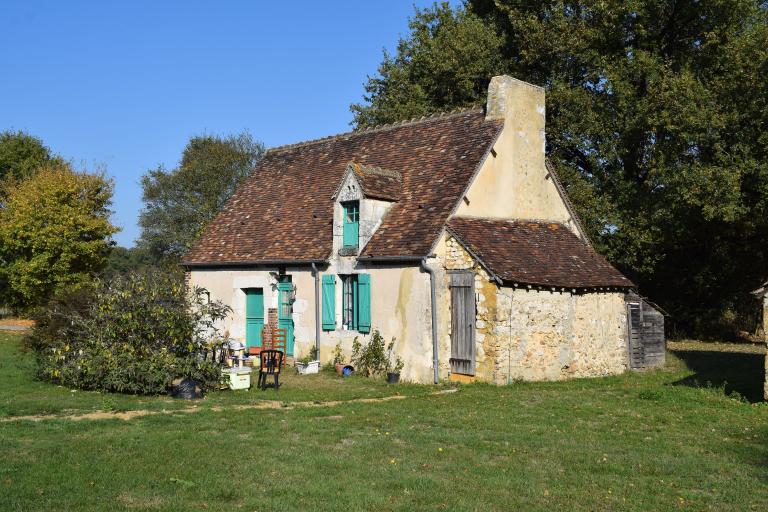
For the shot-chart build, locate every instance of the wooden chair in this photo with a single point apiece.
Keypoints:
(279, 339)
(271, 363)
(275, 339)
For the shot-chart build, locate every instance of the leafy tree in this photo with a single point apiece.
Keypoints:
(123, 260)
(179, 204)
(656, 116)
(446, 62)
(21, 154)
(54, 233)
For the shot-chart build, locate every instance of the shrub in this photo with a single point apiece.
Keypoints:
(374, 359)
(134, 334)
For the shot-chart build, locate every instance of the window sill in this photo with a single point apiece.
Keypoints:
(348, 251)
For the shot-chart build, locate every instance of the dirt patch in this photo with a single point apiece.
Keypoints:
(140, 502)
(130, 415)
(17, 322)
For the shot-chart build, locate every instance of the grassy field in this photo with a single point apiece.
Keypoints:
(664, 440)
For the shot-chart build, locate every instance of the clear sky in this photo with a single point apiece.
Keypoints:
(125, 84)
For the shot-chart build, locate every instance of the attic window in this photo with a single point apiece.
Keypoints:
(351, 223)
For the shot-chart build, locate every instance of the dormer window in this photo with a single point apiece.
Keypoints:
(351, 223)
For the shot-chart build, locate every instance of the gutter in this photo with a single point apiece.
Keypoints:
(316, 274)
(246, 263)
(433, 309)
(389, 258)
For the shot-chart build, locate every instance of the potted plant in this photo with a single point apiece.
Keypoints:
(343, 369)
(309, 363)
(393, 367)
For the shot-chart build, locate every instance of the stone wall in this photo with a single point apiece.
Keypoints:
(530, 334)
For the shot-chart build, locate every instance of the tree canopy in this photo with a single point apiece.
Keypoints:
(21, 154)
(656, 122)
(179, 204)
(55, 233)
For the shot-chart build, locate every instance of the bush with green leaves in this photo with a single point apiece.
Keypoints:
(134, 334)
(374, 359)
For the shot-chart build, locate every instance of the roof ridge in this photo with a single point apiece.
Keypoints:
(372, 169)
(379, 128)
(506, 219)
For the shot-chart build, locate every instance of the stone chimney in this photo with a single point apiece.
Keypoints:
(521, 106)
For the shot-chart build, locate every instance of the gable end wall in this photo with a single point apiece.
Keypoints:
(515, 183)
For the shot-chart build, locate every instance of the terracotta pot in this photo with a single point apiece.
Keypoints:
(344, 370)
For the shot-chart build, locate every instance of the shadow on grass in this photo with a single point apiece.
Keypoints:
(733, 372)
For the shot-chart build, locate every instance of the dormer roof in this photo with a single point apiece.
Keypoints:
(378, 183)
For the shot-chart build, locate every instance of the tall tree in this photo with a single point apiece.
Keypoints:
(446, 62)
(21, 154)
(179, 204)
(55, 233)
(656, 115)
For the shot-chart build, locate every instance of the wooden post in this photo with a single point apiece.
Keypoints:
(765, 338)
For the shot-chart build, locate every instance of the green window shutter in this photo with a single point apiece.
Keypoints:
(351, 223)
(329, 303)
(364, 302)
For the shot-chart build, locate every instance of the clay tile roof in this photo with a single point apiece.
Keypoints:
(535, 253)
(284, 211)
(378, 183)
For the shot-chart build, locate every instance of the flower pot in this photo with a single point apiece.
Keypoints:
(393, 378)
(186, 389)
(344, 370)
(308, 368)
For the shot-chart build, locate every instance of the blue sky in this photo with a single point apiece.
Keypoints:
(125, 84)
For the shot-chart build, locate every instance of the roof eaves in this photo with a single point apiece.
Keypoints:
(247, 263)
(559, 287)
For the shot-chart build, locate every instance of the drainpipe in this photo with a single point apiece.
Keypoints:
(433, 308)
(316, 273)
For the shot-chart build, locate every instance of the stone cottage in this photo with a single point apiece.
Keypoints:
(449, 233)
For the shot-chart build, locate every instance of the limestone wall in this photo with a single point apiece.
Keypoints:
(529, 334)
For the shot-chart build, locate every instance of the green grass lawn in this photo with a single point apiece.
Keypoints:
(663, 440)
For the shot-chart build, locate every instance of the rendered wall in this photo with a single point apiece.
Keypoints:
(399, 308)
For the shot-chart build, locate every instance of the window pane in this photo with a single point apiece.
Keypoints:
(349, 302)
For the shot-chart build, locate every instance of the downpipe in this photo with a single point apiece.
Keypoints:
(433, 308)
(316, 274)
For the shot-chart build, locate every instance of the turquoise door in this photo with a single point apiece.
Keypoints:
(254, 316)
(285, 313)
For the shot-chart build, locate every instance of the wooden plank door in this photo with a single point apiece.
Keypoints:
(254, 316)
(645, 332)
(285, 313)
(634, 331)
(463, 310)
